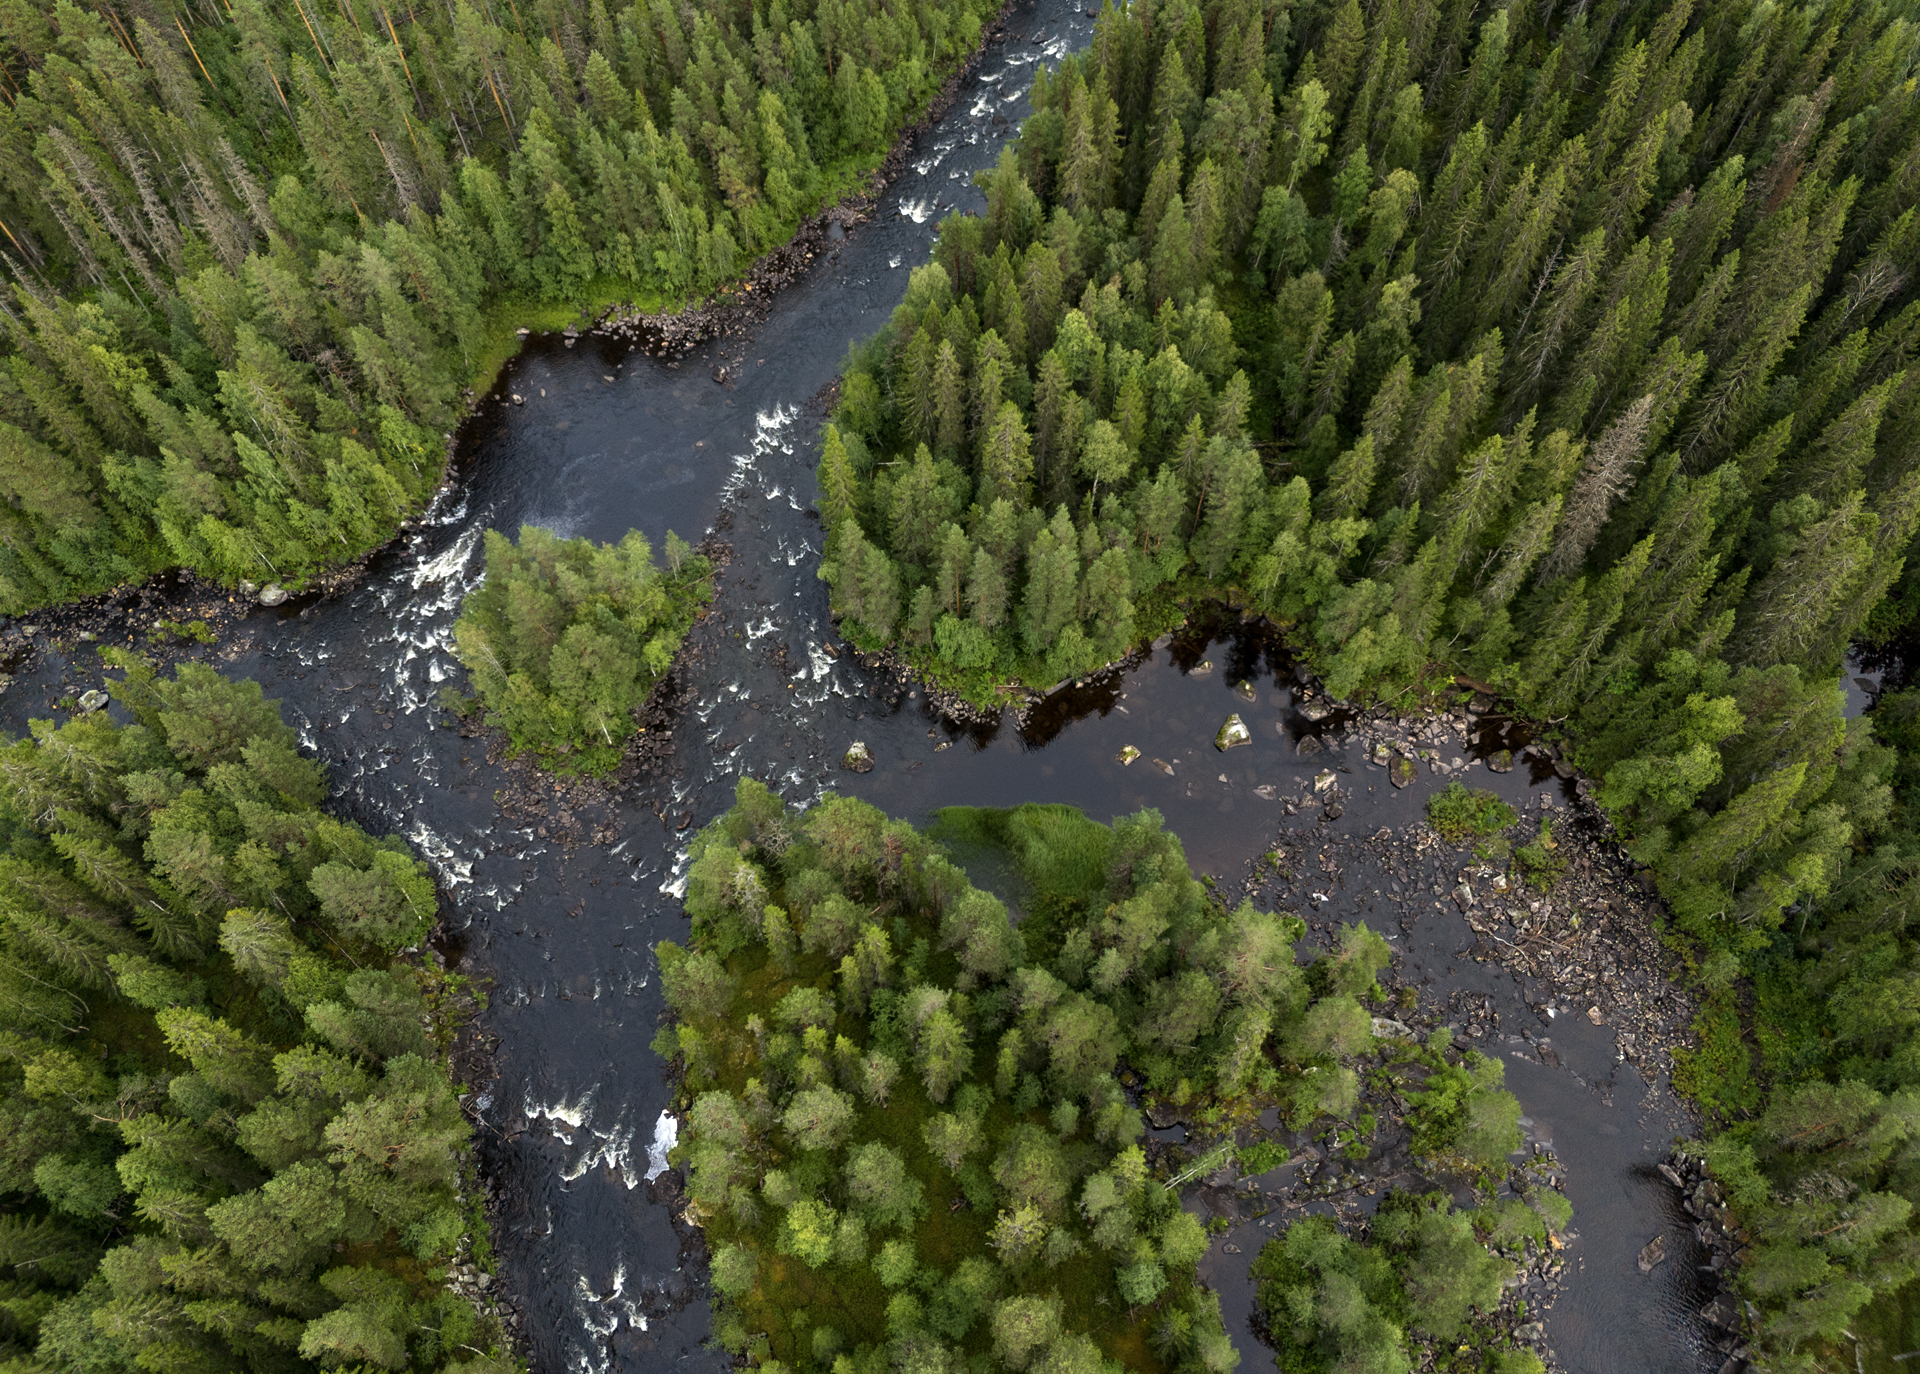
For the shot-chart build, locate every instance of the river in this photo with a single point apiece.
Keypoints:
(610, 439)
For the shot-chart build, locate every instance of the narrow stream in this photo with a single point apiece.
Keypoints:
(610, 439)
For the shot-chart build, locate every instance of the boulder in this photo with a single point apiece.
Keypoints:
(1652, 1253)
(1244, 690)
(858, 758)
(1324, 779)
(1126, 755)
(1308, 746)
(1401, 771)
(92, 700)
(1382, 754)
(1500, 761)
(273, 594)
(1204, 668)
(1233, 732)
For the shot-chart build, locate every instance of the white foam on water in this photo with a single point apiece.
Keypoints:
(916, 210)
(666, 1134)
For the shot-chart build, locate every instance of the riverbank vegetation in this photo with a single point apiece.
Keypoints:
(1571, 351)
(258, 251)
(910, 1133)
(565, 638)
(227, 1135)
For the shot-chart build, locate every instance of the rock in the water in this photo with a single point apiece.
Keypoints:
(1463, 896)
(92, 700)
(1401, 771)
(1500, 761)
(1127, 755)
(1233, 732)
(1316, 711)
(1265, 791)
(518, 399)
(1204, 668)
(1308, 746)
(1652, 1253)
(1335, 810)
(273, 594)
(1672, 1175)
(1244, 690)
(1382, 755)
(1324, 779)
(858, 758)
(1723, 1311)
(1163, 766)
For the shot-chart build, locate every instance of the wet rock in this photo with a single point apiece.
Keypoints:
(273, 594)
(858, 758)
(1244, 690)
(1266, 791)
(1401, 771)
(92, 700)
(1672, 1175)
(1324, 779)
(1723, 1311)
(1316, 711)
(1652, 1253)
(1335, 810)
(1382, 755)
(1463, 896)
(1501, 761)
(1126, 756)
(1233, 732)
(1308, 746)
(1202, 669)
(1163, 766)
(518, 399)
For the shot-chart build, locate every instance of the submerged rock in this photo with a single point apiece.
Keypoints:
(1163, 766)
(1244, 690)
(1233, 732)
(1127, 755)
(1308, 746)
(1204, 668)
(858, 758)
(1652, 1253)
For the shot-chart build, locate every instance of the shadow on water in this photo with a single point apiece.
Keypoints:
(572, 1125)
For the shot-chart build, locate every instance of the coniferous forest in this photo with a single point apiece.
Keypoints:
(909, 1142)
(1565, 348)
(256, 253)
(227, 1137)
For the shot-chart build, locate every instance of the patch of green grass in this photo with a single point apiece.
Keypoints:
(1462, 813)
(1263, 1155)
(1718, 1074)
(1539, 865)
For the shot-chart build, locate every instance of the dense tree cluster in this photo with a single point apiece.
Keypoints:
(227, 1141)
(1411, 1289)
(907, 1138)
(1571, 349)
(565, 637)
(257, 250)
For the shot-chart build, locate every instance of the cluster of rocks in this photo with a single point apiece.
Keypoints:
(1727, 1244)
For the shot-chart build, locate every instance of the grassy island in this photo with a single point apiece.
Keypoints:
(565, 638)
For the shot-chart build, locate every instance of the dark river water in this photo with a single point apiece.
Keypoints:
(566, 934)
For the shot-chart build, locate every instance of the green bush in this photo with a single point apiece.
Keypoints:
(1462, 813)
(565, 638)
